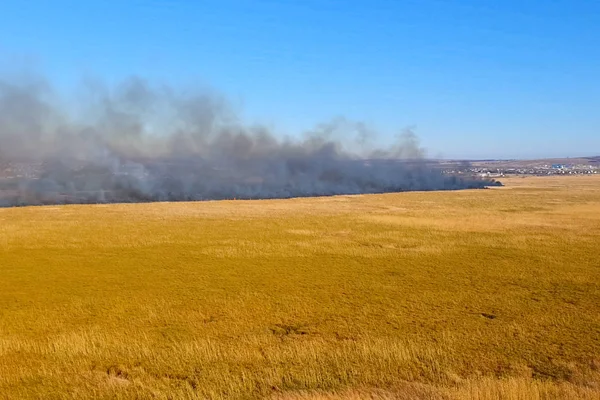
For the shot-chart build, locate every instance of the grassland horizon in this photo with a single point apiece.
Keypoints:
(473, 294)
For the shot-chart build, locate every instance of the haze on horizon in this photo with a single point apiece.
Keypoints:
(476, 79)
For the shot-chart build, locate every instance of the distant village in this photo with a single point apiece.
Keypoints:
(496, 169)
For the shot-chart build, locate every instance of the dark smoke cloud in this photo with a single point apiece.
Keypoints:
(139, 142)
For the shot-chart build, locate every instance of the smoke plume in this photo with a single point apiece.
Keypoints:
(138, 142)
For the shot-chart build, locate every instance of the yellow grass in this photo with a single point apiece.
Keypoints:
(486, 294)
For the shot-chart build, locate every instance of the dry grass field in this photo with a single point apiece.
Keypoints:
(481, 294)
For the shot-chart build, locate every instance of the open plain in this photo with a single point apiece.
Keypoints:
(476, 294)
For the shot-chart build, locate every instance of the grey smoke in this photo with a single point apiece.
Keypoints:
(139, 142)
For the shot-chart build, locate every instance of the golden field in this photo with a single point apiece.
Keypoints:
(479, 294)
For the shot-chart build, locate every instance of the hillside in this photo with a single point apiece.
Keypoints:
(470, 294)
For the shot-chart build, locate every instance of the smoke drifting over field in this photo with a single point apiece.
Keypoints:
(138, 142)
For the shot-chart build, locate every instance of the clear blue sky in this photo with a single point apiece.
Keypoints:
(478, 78)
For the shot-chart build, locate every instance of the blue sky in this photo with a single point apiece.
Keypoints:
(477, 78)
